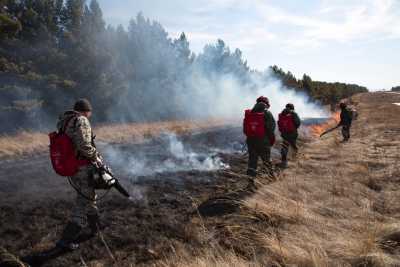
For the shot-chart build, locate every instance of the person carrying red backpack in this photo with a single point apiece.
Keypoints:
(259, 127)
(76, 126)
(288, 124)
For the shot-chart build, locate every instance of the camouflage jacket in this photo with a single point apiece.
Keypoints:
(79, 130)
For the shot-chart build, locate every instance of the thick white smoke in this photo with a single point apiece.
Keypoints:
(225, 96)
(170, 156)
(189, 160)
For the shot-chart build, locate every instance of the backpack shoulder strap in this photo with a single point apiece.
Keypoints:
(64, 128)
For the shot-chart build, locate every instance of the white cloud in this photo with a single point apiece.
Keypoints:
(209, 5)
(339, 21)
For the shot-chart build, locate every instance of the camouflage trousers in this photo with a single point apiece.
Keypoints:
(346, 132)
(85, 201)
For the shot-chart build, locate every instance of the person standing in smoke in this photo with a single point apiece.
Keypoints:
(75, 124)
(288, 124)
(346, 119)
(259, 127)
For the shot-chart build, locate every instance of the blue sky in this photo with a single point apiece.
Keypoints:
(355, 41)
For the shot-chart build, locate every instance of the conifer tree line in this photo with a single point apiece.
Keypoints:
(54, 51)
(325, 92)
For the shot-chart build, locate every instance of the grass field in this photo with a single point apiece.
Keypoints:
(28, 143)
(336, 205)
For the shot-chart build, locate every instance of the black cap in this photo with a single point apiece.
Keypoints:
(290, 106)
(82, 105)
(343, 105)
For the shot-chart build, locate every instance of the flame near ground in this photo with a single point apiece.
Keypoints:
(317, 129)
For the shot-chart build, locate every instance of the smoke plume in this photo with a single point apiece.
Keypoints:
(225, 96)
(169, 155)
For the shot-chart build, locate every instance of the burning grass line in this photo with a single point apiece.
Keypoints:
(317, 129)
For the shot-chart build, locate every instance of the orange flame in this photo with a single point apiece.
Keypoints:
(317, 129)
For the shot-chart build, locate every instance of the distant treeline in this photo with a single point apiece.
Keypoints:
(326, 93)
(396, 89)
(54, 51)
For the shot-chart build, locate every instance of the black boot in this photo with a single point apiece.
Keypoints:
(251, 172)
(283, 164)
(69, 237)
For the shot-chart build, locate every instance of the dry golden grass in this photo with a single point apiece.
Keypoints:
(336, 205)
(23, 143)
(28, 143)
(340, 210)
(215, 257)
(136, 132)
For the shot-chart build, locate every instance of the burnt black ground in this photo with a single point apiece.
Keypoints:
(35, 205)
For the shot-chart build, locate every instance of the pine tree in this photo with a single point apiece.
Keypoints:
(182, 47)
(72, 16)
(47, 10)
(308, 84)
(9, 24)
(97, 21)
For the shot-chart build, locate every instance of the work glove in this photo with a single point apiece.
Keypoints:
(98, 162)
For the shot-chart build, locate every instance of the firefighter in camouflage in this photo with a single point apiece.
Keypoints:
(76, 125)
